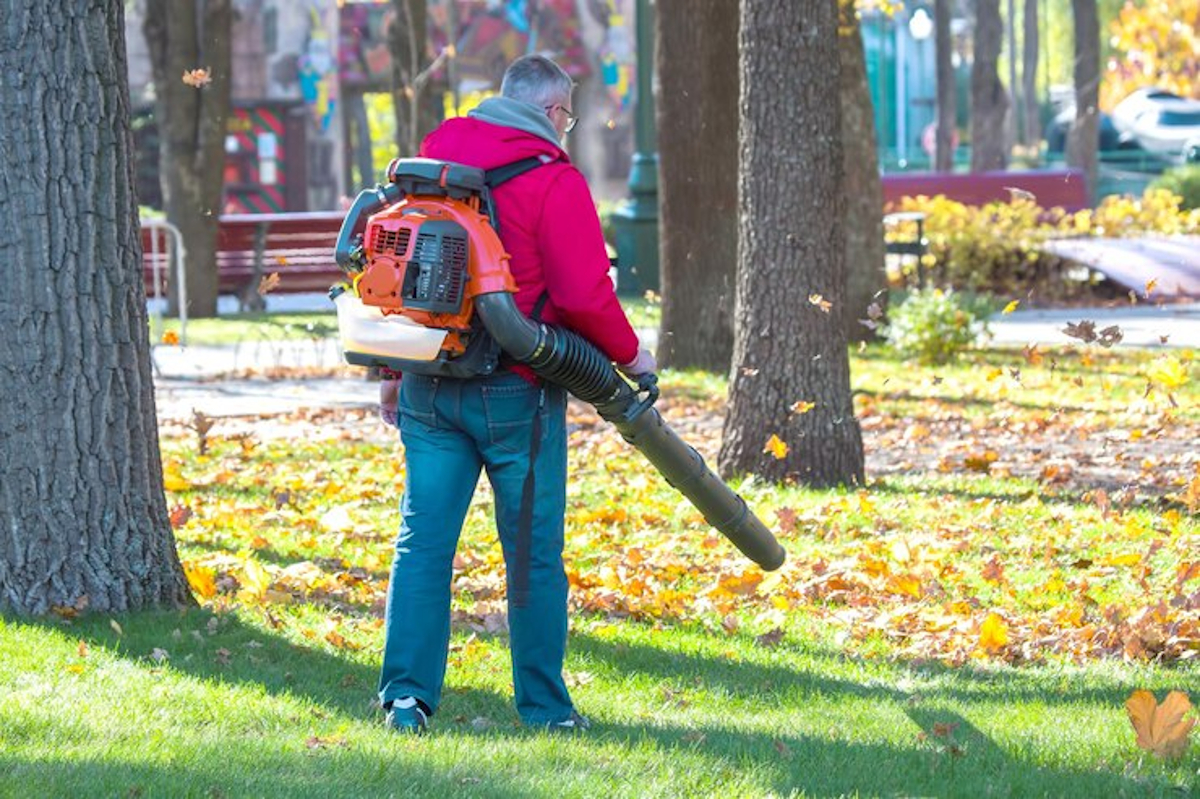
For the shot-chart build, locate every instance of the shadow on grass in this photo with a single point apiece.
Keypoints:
(828, 765)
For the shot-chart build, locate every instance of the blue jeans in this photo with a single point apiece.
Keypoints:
(451, 429)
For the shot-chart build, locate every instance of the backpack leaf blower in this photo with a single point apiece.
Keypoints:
(431, 293)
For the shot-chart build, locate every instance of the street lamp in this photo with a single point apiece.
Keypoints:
(635, 222)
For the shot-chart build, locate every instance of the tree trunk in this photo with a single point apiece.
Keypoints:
(416, 97)
(791, 252)
(697, 189)
(184, 35)
(989, 101)
(1083, 141)
(865, 275)
(947, 95)
(1029, 68)
(83, 520)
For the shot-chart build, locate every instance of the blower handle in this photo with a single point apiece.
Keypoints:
(348, 252)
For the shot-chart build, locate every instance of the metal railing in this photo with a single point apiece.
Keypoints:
(164, 231)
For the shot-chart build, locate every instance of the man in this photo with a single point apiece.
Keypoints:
(453, 428)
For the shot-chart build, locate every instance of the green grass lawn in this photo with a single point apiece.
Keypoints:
(861, 668)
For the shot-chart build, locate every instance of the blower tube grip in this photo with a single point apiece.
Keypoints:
(567, 359)
(348, 250)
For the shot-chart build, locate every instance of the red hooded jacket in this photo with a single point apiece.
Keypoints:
(548, 224)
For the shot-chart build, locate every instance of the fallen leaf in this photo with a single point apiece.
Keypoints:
(1020, 194)
(268, 284)
(993, 634)
(116, 627)
(776, 447)
(787, 519)
(197, 78)
(202, 580)
(1161, 729)
(1012, 306)
(82, 649)
(159, 655)
(770, 640)
(180, 515)
(802, 407)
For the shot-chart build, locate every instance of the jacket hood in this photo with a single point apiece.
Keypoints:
(497, 132)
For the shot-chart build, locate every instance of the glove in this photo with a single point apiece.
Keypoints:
(389, 400)
(642, 364)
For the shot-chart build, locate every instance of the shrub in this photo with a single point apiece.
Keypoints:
(995, 248)
(1184, 183)
(934, 326)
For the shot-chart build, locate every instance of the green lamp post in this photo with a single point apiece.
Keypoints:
(635, 222)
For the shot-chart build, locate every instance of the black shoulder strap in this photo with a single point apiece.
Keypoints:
(502, 174)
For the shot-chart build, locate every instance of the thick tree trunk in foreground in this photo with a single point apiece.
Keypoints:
(697, 187)
(865, 276)
(83, 520)
(1083, 141)
(989, 101)
(791, 253)
(947, 97)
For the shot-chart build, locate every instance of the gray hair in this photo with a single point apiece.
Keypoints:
(536, 80)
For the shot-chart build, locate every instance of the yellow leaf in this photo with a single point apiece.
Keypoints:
(776, 447)
(202, 579)
(170, 338)
(993, 635)
(1150, 284)
(1168, 372)
(74, 668)
(174, 482)
(802, 406)
(1012, 306)
(905, 584)
(1161, 729)
(993, 374)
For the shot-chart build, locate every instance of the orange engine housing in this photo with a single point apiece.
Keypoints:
(428, 257)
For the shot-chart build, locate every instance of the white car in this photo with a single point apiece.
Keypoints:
(1160, 121)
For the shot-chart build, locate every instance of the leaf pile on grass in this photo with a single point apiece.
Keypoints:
(999, 543)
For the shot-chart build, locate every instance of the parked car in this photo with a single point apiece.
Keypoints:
(1160, 121)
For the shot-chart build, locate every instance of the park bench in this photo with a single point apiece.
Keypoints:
(296, 246)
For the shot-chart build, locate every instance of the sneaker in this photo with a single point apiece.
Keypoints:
(576, 722)
(406, 715)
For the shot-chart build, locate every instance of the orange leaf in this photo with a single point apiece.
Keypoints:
(820, 302)
(802, 406)
(1160, 729)
(776, 447)
(170, 338)
(197, 78)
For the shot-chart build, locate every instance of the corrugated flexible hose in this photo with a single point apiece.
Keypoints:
(567, 359)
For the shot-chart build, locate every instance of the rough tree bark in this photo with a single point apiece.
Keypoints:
(1029, 68)
(989, 101)
(1083, 141)
(184, 35)
(697, 189)
(416, 98)
(791, 248)
(865, 275)
(83, 520)
(947, 97)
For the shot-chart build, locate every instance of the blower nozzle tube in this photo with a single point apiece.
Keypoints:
(567, 359)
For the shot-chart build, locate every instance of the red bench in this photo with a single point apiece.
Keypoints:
(297, 246)
(1050, 187)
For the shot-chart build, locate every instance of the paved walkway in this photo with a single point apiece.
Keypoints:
(196, 377)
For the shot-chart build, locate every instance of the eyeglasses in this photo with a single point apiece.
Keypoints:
(572, 117)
